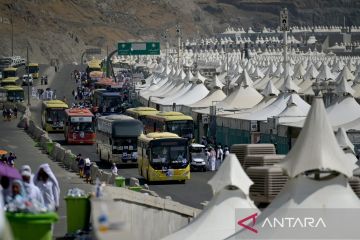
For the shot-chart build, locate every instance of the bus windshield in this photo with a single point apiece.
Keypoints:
(55, 115)
(82, 127)
(183, 128)
(33, 69)
(168, 157)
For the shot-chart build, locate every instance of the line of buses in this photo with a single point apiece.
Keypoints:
(10, 85)
(156, 141)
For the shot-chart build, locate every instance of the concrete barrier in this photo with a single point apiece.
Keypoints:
(112, 178)
(138, 213)
(54, 152)
(31, 128)
(134, 182)
(67, 158)
(73, 163)
(44, 140)
(94, 171)
(38, 132)
(24, 122)
(105, 177)
(60, 154)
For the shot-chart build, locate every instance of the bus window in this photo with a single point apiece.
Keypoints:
(55, 115)
(181, 128)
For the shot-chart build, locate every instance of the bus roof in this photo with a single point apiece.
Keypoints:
(170, 116)
(79, 112)
(142, 111)
(33, 65)
(10, 79)
(120, 125)
(55, 104)
(158, 135)
(12, 88)
(116, 117)
(10, 69)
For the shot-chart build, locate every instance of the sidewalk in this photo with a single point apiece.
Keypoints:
(16, 140)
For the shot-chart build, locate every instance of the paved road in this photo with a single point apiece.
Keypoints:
(192, 193)
(16, 140)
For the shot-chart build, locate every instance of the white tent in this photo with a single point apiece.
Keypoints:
(195, 94)
(347, 110)
(322, 152)
(231, 194)
(215, 95)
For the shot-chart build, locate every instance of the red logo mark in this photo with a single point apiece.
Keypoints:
(249, 227)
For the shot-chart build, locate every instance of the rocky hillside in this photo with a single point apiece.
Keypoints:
(64, 28)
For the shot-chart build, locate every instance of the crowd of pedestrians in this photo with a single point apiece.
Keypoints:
(9, 113)
(215, 155)
(33, 192)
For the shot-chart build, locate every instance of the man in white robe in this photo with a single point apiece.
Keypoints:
(33, 192)
(46, 181)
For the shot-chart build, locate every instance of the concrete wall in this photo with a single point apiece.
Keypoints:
(142, 216)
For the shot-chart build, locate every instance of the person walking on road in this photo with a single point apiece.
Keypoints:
(114, 169)
(212, 159)
(46, 181)
(87, 170)
(32, 191)
(81, 164)
(11, 159)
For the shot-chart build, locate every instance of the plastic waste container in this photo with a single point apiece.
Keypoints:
(32, 226)
(120, 181)
(78, 213)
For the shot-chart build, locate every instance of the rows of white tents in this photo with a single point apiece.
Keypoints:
(257, 100)
(318, 170)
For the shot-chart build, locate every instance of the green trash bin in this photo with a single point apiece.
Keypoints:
(120, 181)
(78, 213)
(32, 226)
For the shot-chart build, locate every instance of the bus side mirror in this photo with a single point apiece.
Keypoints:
(147, 152)
(110, 141)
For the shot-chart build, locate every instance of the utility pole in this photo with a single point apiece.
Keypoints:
(28, 77)
(178, 34)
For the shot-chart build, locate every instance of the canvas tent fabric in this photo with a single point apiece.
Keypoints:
(326, 154)
(230, 174)
(304, 193)
(231, 187)
(214, 96)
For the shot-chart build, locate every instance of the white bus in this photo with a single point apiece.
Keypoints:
(116, 138)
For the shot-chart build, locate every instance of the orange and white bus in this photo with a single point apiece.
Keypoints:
(79, 126)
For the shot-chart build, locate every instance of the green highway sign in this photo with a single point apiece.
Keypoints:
(139, 48)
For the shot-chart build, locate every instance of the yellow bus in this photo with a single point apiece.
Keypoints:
(12, 93)
(175, 122)
(10, 81)
(53, 115)
(9, 72)
(163, 157)
(93, 65)
(140, 112)
(34, 70)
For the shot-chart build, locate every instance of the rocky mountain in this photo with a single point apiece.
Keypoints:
(64, 28)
